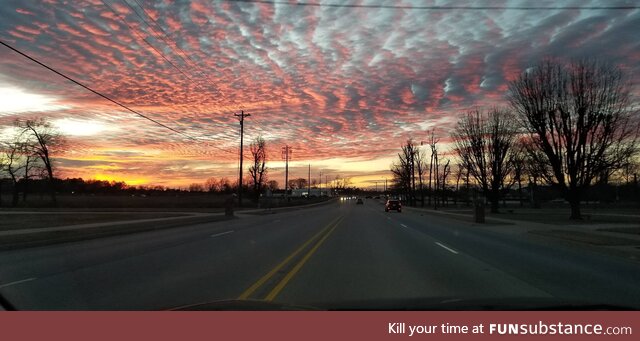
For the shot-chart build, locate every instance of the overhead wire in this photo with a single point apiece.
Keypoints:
(106, 97)
(145, 40)
(133, 30)
(436, 7)
(165, 37)
(192, 80)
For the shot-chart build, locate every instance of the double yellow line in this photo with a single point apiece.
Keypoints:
(322, 236)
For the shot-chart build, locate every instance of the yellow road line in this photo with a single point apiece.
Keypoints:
(276, 290)
(273, 271)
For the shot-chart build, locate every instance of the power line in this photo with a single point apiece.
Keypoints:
(160, 53)
(152, 29)
(105, 96)
(166, 35)
(430, 7)
(145, 40)
(110, 99)
(95, 92)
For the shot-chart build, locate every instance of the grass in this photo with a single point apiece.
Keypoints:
(28, 221)
(628, 230)
(48, 237)
(560, 216)
(204, 202)
(77, 209)
(181, 201)
(589, 238)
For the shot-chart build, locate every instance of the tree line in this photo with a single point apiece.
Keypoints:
(567, 125)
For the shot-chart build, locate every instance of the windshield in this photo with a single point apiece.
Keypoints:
(319, 155)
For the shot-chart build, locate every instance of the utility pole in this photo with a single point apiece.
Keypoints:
(309, 183)
(286, 152)
(326, 183)
(241, 117)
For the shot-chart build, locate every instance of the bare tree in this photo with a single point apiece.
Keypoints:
(272, 185)
(258, 170)
(19, 162)
(13, 165)
(421, 168)
(211, 185)
(433, 144)
(578, 116)
(31, 166)
(196, 187)
(404, 171)
(436, 175)
(225, 186)
(301, 183)
(45, 140)
(340, 182)
(518, 159)
(446, 170)
(483, 143)
(459, 173)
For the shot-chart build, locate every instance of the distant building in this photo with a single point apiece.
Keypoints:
(315, 192)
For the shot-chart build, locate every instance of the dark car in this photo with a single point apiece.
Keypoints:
(393, 205)
(359, 202)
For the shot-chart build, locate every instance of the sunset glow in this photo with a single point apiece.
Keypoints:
(344, 87)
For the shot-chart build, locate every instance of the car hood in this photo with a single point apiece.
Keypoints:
(413, 304)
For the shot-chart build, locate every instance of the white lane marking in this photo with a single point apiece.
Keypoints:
(405, 226)
(221, 234)
(447, 248)
(17, 282)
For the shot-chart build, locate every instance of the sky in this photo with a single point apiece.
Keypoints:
(343, 86)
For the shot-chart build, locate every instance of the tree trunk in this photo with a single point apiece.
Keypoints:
(573, 195)
(575, 209)
(494, 205)
(494, 198)
(15, 196)
(52, 187)
(430, 175)
(25, 189)
(520, 192)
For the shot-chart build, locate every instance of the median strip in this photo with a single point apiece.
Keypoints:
(260, 282)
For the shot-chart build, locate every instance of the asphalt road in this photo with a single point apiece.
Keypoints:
(335, 255)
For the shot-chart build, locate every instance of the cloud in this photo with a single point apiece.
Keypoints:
(331, 82)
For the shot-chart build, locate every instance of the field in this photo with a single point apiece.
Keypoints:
(86, 209)
(203, 202)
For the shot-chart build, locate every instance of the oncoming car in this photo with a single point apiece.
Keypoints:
(393, 205)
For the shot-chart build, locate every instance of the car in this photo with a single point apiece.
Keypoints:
(393, 205)
(360, 202)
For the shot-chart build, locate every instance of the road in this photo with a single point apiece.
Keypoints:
(351, 255)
